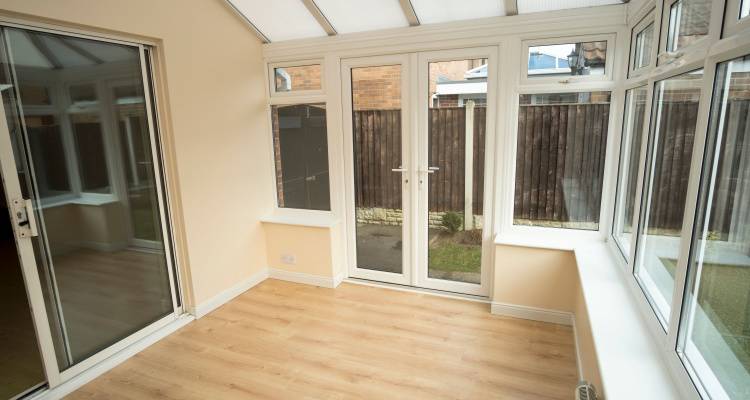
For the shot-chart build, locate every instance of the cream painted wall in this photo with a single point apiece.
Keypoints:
(213, 95)
(533, 277)
(547, 279)
(312, 248)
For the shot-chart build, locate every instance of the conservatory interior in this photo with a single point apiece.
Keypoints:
(375, 199)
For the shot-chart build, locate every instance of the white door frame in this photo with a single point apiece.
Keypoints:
(26, 256)
(422, 236)
(408, 177)
(414, 131)
(56, 376)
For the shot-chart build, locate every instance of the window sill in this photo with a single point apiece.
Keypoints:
(84, 200)
(310, 219)
(621, 336)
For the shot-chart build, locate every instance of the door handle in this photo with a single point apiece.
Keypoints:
(430, 170)
(399, 169)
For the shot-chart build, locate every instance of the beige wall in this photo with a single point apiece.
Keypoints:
(547, 279)
(212, 91)
(312, 248)
(538, 278)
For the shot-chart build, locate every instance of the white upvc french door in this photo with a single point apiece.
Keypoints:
(455, 136)
(418, 218)
(381, 175)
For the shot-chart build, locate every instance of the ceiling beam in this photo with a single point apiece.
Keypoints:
(511, 7)
(80, 51)
(409, 12)
(261, 36)
(318, 15)
(44, 50)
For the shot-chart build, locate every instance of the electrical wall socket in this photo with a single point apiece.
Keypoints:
(288, 259)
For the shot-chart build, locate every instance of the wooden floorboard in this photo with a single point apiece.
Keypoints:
(283, 340)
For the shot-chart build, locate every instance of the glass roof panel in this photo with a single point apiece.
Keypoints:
(434, 11)
(280, 19)
(532, 6)
(348, 16)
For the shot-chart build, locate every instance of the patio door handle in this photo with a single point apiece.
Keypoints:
(430, 170)
(399, 169)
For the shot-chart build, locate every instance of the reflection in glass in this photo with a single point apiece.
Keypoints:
(305, 77)
(630, 154)
(582, 58)
(665, 184)
(300, 146)
(688, 22)
(457, 124)
(715, 333)
(100, 253)
(643, 44)
(561, 143)
(376, 120)
(745, 9)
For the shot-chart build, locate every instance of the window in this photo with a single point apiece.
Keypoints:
(630, 154)
(297, 78)
(567, 59)
(92, 160)
(665, 187)
(562, 139)
(301, 156)
(688, 22)
(48, 155)
(35, 95)
(715, 333)
(643, 44)
(745, 9)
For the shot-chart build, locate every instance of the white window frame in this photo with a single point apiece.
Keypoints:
(693, 52)
(567, 79)
(733, 24)
(296, 93)
(301, 97)
(706, 54)
(645, 22)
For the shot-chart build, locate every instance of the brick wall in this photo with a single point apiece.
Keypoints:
(376, 88)
(306, 77)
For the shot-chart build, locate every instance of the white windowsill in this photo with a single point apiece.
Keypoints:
(630, 361)
(306, 218)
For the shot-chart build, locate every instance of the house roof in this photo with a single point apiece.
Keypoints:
(281, 20)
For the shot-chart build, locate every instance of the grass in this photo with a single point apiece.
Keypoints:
(457, 252)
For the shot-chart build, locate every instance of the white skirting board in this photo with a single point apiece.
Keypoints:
(532, 313)
(542, 315)
(308, 279)
(222, 298)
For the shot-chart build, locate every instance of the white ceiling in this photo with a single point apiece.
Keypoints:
(279, 20)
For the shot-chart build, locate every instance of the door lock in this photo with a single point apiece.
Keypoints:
(23, 219)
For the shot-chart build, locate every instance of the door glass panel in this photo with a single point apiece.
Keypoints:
(21, 366)
(376, 119)
(100, 253)
(665, 184)
(457, 114)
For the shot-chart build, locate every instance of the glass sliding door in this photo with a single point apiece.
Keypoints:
(89, 165)
(380, 169)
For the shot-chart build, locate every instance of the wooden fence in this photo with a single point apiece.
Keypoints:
(560, 162)
(377, 143)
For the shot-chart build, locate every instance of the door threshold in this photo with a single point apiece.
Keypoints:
(415, 289)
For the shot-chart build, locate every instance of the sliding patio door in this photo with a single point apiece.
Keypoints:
(416, 129)
(81, 170)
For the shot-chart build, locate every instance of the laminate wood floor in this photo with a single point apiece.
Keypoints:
(283, 340)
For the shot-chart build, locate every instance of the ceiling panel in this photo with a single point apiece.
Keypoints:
(348, 16)
(434, 11)
(532, 6)
(280, 19)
